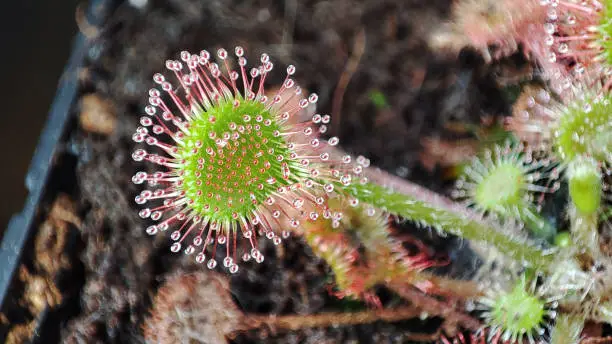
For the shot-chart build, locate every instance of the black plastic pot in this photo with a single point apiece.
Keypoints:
(22, 226)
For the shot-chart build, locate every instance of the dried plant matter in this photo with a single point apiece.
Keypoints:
(192, 308)
(197, 308)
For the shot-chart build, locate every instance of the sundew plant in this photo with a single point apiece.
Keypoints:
(237, 158)
(230, 161)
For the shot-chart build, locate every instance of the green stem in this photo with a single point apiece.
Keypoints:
(585, 189)
(428, 209)
(584, 230)
(585, 185)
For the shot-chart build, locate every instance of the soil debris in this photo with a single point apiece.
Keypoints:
(40, 292)
(97, 115)
(192, 308)
(21, 333)
(50, 243)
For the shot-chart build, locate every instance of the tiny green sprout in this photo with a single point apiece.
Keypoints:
(503, 187)
(584, 127)
(585, 185)
(378, 99)
(517, 314)
(234, 160)
(504, 182)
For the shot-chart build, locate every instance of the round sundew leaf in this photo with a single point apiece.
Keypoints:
(235, 160)
(505, 181)
(518, 312)
(238, 162)
(501, 186)
(584, 128)
(605, 31)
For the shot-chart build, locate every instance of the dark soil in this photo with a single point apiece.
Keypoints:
(112, 269)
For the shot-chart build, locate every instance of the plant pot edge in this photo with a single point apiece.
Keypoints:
(20, 226)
